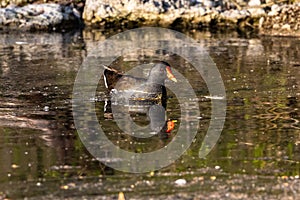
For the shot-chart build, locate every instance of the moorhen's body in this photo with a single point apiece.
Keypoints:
(134, 88)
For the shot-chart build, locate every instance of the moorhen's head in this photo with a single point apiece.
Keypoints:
(160, 72)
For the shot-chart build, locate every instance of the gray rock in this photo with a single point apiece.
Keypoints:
(39, 16)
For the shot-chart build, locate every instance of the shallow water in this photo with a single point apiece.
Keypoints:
(257, 155)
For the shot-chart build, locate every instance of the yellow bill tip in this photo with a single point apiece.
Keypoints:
(170, 75)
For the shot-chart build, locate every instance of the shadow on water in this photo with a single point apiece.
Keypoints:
(257, 155)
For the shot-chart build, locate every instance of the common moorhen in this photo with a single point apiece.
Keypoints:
(140, 89)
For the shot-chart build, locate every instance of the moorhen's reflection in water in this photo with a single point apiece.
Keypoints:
(158, 122)
(155, 115)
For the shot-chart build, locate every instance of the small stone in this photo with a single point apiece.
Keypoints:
(276, 26)
(275, 8)
(272, 13)
(14, 166)
(180, 182)
(64, 187)
(152, 173)
(286, 27)
(254, 3)
(256, 12)
(46, 108)
(217, 167)
(208, 3)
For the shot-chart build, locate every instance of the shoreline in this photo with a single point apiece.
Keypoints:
(264, 19)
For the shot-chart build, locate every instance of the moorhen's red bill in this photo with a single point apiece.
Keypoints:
(140, 88)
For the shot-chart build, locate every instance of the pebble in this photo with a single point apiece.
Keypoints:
(255, 12)
(180, 182)
(152, 173)
(46, 108)
(14, 166)
(254, 3)
(286, 27)
(217, 167)
(272, 13)
(276, 26)
(275, 8)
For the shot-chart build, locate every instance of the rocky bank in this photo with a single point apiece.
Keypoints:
(266, 16)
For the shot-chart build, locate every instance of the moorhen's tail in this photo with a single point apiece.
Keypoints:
(111, 77)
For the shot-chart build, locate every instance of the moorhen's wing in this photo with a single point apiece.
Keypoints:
(128, 82)
(115, 80)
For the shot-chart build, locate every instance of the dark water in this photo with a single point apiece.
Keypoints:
(257, 155)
